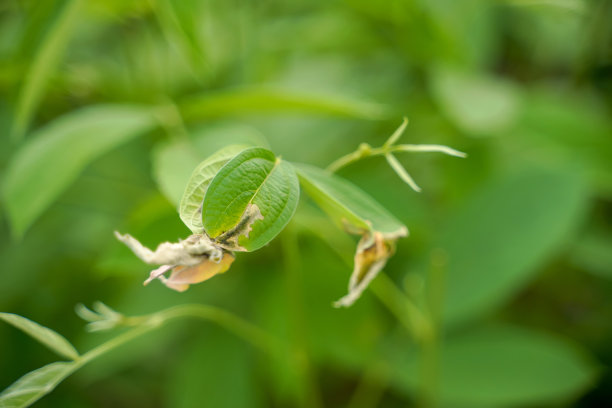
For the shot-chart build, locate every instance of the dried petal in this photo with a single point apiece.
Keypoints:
(372, 254)
(156, 273)
(183, 276)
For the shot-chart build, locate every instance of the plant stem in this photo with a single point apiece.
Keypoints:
(402, 307)
(311, 396)
(430, 347)
(147, 323)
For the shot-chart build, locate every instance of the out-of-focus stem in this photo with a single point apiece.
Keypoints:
(311, 395)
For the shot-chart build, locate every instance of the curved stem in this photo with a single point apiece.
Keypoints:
(147, 323)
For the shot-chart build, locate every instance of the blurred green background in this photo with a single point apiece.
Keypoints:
(106, 106)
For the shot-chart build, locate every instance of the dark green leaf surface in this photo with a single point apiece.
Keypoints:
(255, 177)
(513, 227)
(500, 366)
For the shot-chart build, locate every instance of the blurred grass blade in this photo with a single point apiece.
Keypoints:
(53, 158)
(266, 100)
(180, 30)
(44, 64)
(190, 209)
(45, 336)
(35, 385)
(254, 194)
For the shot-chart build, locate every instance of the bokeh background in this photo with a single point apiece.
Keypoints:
(524, 223)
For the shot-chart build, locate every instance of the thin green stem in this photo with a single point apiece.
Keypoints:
(147, 323)
(402, 307)
(430, 348)
(311, 395)
(366, 150)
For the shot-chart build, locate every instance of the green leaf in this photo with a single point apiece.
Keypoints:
(174, 159)
(190, 208)
(344, 202)
(254, 185)
(35, 385)
(45, 62)
(499, 366)
(48, 337)
(358, 213)
(477, 104)
(498, 239)
(53, 158)
(262, 100)
(571, 128)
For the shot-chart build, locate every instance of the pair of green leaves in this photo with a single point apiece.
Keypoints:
(38, 383)
(242, 198)
(232, 190)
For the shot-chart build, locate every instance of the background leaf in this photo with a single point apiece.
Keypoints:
(478, 105)
(261, 100)
(41, 170)
(48, 337)
(255, 176)
(35, 385)
(500, 366)
(514, 226)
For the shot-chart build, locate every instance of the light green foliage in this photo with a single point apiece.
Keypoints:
(531, 213)
(480, 106)
(273, 100)
(190, 208)
(35, 385)
(499, 366)
(346, 203)
(44, 335)
(499, 298)
(254, 178)
(55, 155)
